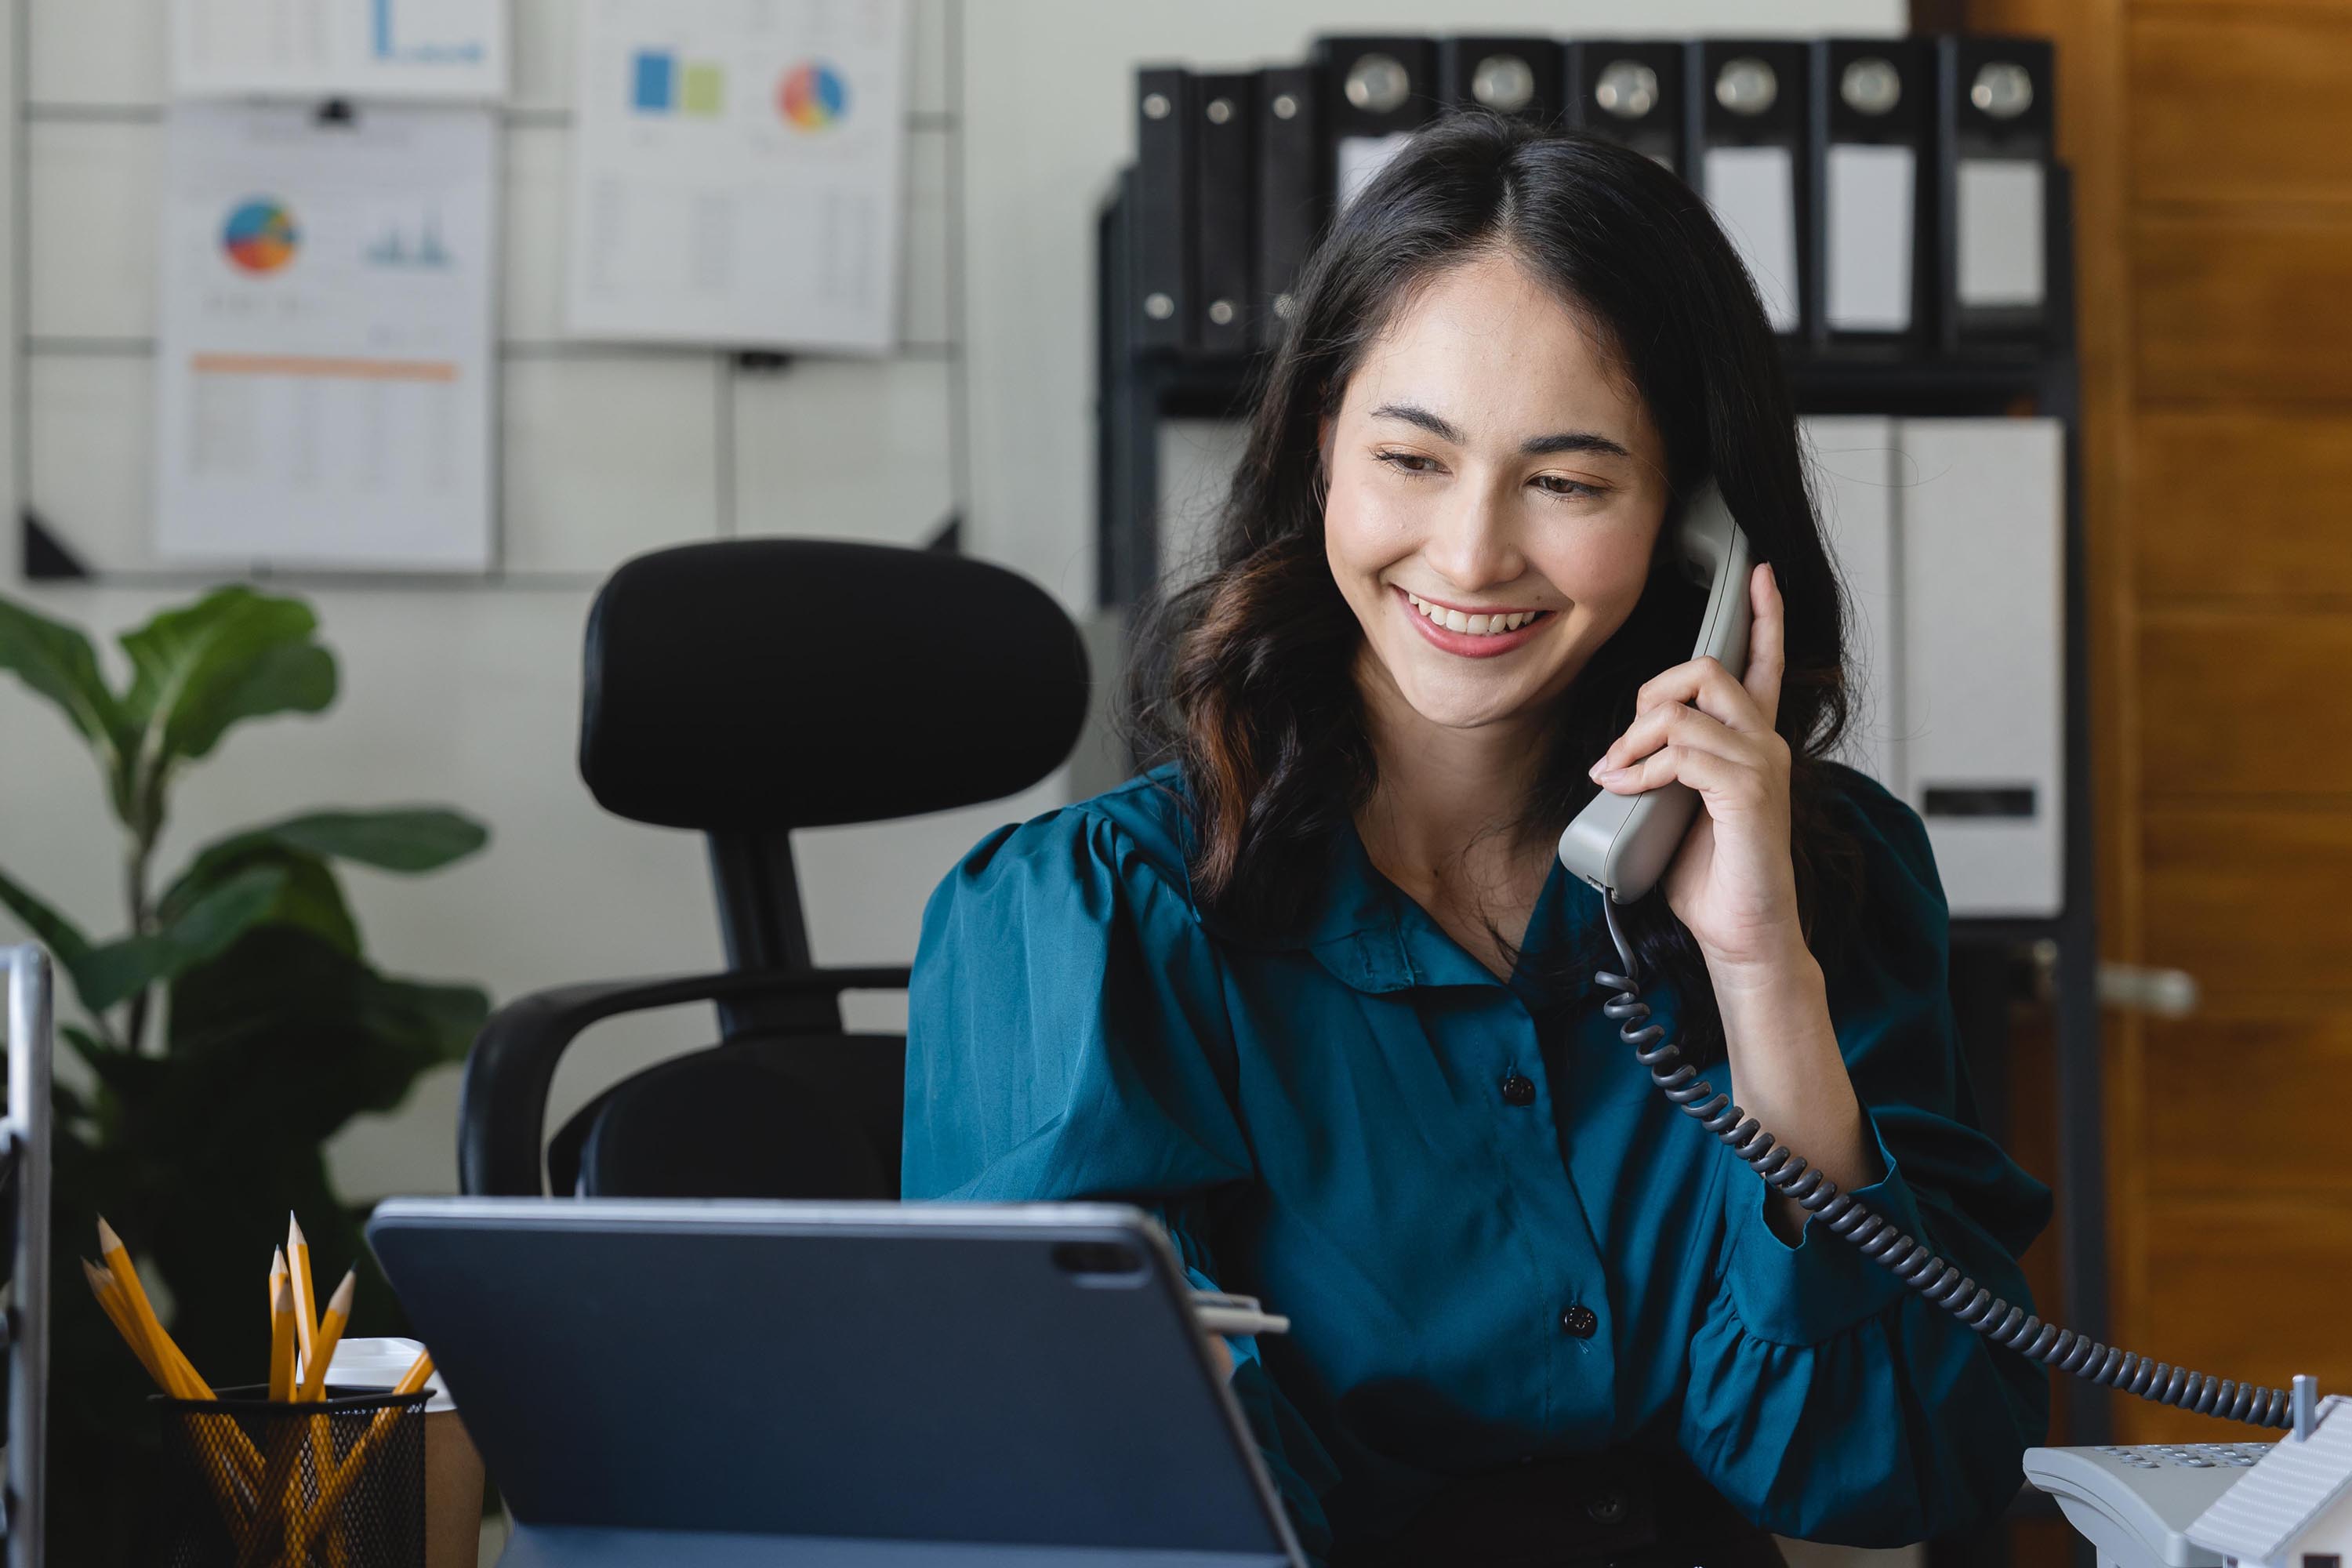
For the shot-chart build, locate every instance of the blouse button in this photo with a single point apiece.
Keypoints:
(1579, 1321)
(1518, 1090)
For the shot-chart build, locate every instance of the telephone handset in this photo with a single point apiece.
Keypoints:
(1622, 845)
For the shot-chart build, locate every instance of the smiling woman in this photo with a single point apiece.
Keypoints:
(1315, 987)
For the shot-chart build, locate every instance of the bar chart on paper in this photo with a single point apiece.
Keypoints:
(737, 171)
(419, 48)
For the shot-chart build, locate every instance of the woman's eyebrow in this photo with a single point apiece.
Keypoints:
(1533, 446)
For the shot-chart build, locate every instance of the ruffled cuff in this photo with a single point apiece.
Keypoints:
(1817, 1289)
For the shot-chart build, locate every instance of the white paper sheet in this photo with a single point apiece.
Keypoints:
(1753, 191)
(320, 49)
(737, 172)
(2001, 206)
(325, 359)
(1871, 216)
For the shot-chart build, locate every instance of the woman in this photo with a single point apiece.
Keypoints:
(1317, 990)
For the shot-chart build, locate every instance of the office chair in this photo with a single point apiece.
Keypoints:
(745, 688)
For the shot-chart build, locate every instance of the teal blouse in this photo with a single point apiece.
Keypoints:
(1477, 1275)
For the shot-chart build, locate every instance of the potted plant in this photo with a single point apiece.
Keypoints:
(229, 1030)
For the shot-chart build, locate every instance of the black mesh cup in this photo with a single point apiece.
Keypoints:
(246, 1483)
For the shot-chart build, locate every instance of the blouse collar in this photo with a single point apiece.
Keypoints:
(1373, 937)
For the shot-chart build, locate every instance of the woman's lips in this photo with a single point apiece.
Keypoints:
(1469, 644)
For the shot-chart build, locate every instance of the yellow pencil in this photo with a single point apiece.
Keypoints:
(331, 1331)
(330, 1495)
(179, 1377)
(281, 1343)
(306, 1300)
(277, 1272)
(419, 1374)
(109, 1302)
(126, 1280)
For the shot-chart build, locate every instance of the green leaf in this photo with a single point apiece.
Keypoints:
(284, 1027)
(311, 898)
(231, 655)
(415, 839)
(120, 970)
(57, 661)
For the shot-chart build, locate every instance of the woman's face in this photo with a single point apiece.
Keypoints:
(1496, 491)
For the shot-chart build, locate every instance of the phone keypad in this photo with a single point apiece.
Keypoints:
(2186, 1456)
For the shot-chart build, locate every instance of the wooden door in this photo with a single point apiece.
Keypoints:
(2211, 142)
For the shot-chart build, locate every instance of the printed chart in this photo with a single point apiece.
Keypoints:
(736, 173)
(306, 49)
(324, 369)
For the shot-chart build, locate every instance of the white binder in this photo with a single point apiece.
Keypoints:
(1980, 551)
(1854, 463)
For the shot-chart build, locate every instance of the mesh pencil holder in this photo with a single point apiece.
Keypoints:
(246, 1483)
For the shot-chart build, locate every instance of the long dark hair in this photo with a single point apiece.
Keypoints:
(1245, 676)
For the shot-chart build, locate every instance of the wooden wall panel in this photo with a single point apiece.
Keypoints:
(2230, 1106)
(2227, 501)
(2246, 1290)
(2244, 310)
(2234, 105)
(2257, 904)
(2243, 700)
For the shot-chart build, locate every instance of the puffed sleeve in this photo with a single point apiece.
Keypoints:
(1067, 1038)
(1826, 1399)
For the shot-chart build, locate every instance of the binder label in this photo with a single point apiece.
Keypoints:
(1870, 219)
(1361, 158)
(2000, 214)
(1753, 191)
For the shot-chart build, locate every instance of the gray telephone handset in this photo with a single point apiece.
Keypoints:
(1622, 843)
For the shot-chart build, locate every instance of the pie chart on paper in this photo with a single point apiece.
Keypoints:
(260, 236)
(813, 96)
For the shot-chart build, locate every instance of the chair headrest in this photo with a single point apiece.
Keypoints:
(756, 684)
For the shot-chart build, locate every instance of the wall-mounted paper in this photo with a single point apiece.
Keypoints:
(325, 357)
(358, 48)
(737, 168)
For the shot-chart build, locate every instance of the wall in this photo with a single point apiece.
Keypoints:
(467, 691)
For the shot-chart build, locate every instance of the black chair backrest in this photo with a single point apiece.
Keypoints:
(766, 684)
(746, 687)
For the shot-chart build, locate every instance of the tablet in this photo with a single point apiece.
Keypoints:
(707, 1384)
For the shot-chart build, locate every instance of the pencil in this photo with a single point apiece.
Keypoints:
(109, 1302)
(413, 1381)
(281, 1343)
(330, 1331)
(306, 1300)
(126, 1280)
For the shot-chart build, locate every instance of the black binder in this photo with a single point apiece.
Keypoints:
(1376, 92)
(1754, 110)
(1519, 77)
(1225, 210)
(1874, 114)
(1160, 285)
(1292, 199)
(1995, 116)
(1630, 92)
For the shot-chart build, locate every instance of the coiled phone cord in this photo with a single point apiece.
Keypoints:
(1881, 1241)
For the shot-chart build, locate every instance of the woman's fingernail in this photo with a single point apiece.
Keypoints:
(1595, 770)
